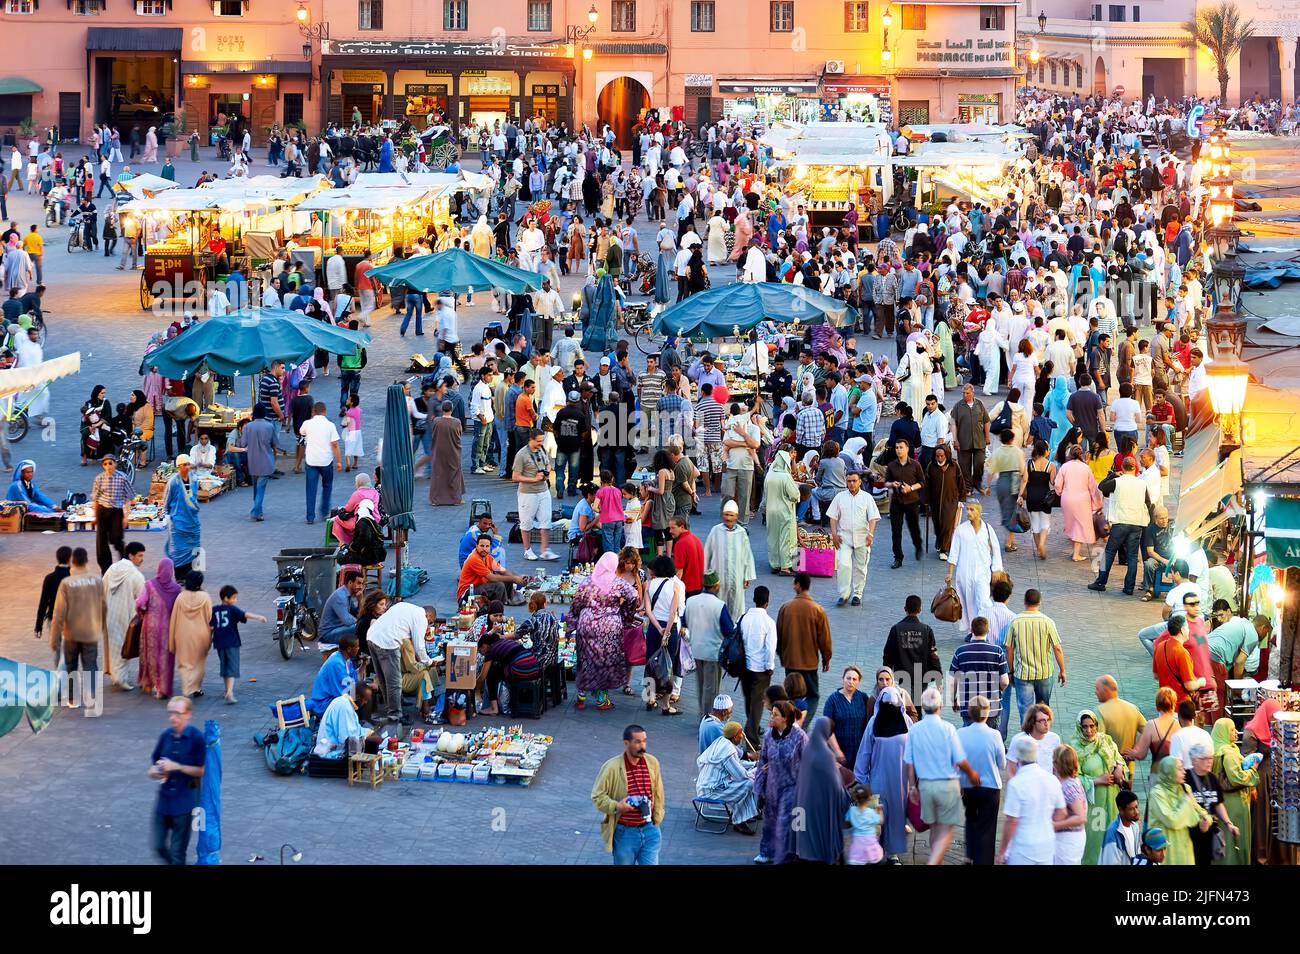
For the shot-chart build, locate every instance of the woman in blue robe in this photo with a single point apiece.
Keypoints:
(600, 335)
(880, 767)
(1054, 405)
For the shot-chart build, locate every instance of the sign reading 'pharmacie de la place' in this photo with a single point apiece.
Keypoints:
(438, 48)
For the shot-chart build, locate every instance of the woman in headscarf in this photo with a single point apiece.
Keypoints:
(776, 781)
(363, 502)
(821, 800)
(155, 606)
(972, 559)
(944, 335)
(96, 414)
(1054, 405)
(480, 237)
(1101, 770)
(1171, 807)
(603, 606)
(664, 268)
(1258, 737)
(599, 334)
(1239, 785)
(989, 351)
(150, 145)
(1077, 488)
(782, 495)
(190, 636)
(697, 273)
(24, 489)
(717, 230)
(945, 490)
(724, 777)
(182, 506)
(880, 767)
(744, 233)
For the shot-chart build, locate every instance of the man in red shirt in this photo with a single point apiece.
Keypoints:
(488, 577)
(1172, 663)
(688, 555)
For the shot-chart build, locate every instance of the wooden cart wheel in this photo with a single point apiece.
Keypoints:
(146, 297)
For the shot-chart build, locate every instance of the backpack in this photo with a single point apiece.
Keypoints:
(413, 577)
(731, 654)
(1003, 421)
(367, 546)
(287, 751)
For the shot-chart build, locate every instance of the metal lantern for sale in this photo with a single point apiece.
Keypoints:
(1285, 788)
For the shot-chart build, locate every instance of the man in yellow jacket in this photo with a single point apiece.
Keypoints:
(629, 792)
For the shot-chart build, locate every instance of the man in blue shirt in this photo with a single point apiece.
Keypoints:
(256, 459)
(178, 761)
(339, 615)
(336, 677)
(470, 539)
(934, 755)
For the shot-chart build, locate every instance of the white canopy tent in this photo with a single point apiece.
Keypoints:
(862, 146)
(15, 381)
(146, 185)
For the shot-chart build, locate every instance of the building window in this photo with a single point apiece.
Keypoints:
(622, 16)
(781, 16)
(1052, 71)
(87, 8)
(1042, 73)
(370, 14)
(913, 16)
(1078, 76)
(1116, 13)
(15, 108)
(993, 18)
(455, 14)
(1096, 11)
(19, 6)
(855, 16)
(228, 8)
(703, 16)
(1137, 14)
(151, 8)
(539, 16)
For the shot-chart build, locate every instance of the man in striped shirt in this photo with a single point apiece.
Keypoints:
(709, 458)
(1032, 641)
(109, 494)
(978, 668)
(269, 391)
(649, 389)
(809, 427)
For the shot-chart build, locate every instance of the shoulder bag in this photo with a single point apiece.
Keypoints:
(131, 641)
(946, 604)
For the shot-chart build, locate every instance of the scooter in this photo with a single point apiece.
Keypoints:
(295, 622)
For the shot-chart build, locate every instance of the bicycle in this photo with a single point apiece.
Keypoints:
(76, 234)
(17, 422)
(126, 455)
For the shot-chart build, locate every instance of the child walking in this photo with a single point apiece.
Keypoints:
(864, 820)
(226, 618)
(353, 449)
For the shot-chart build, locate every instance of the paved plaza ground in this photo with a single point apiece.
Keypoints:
(77, 793)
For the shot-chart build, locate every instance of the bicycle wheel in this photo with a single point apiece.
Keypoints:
(146, 296)
(41, 331)
(73, 242)
(18, 426)
(286, 637)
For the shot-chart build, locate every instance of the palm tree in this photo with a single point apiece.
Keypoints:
(1223, 33)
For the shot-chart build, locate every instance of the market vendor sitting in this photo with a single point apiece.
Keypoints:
(486, 575)
(484, 525)
(503, 660)
(203, 455)
(339, 615)
(340, 722)
(24, 489)
(726, 778)
(338, 675)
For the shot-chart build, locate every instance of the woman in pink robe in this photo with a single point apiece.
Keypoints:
(155, 605)
(744, 232)
(1077, 488)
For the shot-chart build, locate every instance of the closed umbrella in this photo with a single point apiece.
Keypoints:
(717, 312)
(26, 691)
(208, 850)
(245, 342)
(599, 334)
(456, 270)
(397, 480)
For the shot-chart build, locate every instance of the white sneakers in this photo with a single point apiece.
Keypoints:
(549, 554)
(530, 554)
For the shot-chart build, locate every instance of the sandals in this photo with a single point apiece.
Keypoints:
(629, 691)
(670, 711)
(1011, 548)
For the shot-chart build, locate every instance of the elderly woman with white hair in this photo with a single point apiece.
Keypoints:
(364, 502)
(1033, 797)
(1207, 789)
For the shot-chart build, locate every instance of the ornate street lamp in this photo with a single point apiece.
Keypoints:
(1220, 199)
(1225, 331)
(1227, 378)
(312, 33)
(1042, 22)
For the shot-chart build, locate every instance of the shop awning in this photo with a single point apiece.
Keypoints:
(220, 67)
(630, 49)
(1200, 456)
(135, 39)
(763, 85)
(359, 197)
(1200, 502)
(17, 86)
(17, 380)
(856, 84)
(1282, 531)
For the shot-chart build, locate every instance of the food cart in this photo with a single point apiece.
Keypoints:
(371, 219)
(972, 171)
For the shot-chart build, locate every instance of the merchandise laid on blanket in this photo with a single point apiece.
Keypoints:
(501, 755)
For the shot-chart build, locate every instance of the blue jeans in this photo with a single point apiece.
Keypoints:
(171, 837)
(349, 384)
(1122, 434)
(502, 433)
(424, 439)
(1005, 715)
(1030, 691)
(239, 461)
(1153, 575)
(325, 476)
(414, 306)
(570, 462)
(611, 536)
(1148, 635)
(259, 494)
(636, 845)
(1125, 536)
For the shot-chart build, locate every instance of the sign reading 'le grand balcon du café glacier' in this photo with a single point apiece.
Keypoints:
(438, 48)
(973, 52)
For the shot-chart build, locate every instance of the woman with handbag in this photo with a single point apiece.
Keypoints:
(665, 595)
(602, 606)
(629, 569)
(1080, 498)
(1038, 498)
(1239, 783)
(972, 560)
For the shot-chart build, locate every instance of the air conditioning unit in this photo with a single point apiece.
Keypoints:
(834, 66)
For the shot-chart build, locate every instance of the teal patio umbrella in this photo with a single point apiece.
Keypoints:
(245, 342)
(397, 479)
(26, 691)
(720, 311)
(456, 270)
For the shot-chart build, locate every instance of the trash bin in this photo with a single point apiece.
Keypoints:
(319, 571)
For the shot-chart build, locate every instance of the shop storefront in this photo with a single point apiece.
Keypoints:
(261, 94)
(769, 100)
(860, 98)
(474, 82)
(979, 108)
(134, 74)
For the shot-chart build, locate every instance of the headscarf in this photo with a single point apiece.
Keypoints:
(781, 462)
(821, 797)
(807, 458)
(1222, 735)
(1262, 724)
(606, 573)
(164, 583)
(1167, 795)
(888, 719)
(1100, 744)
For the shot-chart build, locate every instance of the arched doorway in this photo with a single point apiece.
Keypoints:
(1099, 87)
(621, 103)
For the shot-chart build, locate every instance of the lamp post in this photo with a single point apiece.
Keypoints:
(886, 21)
(312, 33)
(577, 37)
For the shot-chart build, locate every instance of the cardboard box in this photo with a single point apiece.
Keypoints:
(11, 517)
(462, 665)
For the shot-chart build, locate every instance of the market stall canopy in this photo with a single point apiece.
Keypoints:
(826, 143)
(270, 188)
(246, 342)
(439, 182)
(456, 270)
(199, 200)
(941, 154)
(718, 312)
(1199, 502)
(146, 185)
(381, 198)
(20, 380)
(963, 132)
(17, 86)
(26, 691)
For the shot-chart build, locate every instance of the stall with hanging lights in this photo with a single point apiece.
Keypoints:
(375, 220)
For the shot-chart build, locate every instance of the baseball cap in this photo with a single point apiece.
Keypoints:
(574, 396)
(1155, 839)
